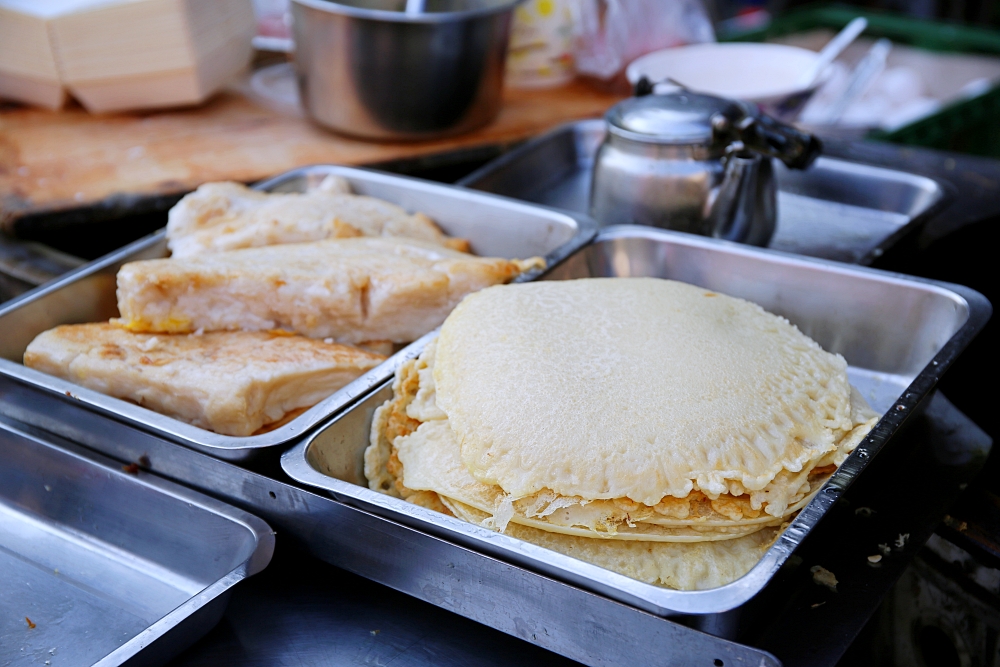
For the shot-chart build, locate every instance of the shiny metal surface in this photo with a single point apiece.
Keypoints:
(835, 210)
(300, 611)
(663, 163)
(536, 608)
(495, 226)
(679, 119)
(683, 189)
(107, 564)
(898, 335)
(666, 186)
(368, 69)
(520, 602)
(693, 163)
(745, 205)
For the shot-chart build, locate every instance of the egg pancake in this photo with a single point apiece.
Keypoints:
(351, 290)
(687, 567)
(233, 383)
(226, 216)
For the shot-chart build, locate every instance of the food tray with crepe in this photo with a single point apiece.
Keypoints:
(109, 566)
(898, 334)
(836, 209)
(494, 225)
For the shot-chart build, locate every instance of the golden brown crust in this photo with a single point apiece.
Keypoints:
(430, 500)
(351, 290)
(232, 383)
(461, 245)
(398, 424)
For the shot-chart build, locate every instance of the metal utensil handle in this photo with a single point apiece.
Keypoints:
(833, 49)
(860, 79)
(767, 136)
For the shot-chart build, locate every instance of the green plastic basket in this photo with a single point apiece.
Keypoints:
(970, 125)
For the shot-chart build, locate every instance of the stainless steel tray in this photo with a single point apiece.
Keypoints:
(108, 564)
(566, 619)
(897, 333)
(496, 226)
(836, 209)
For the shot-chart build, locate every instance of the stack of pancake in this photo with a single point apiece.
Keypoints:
(654, 428)
(269, 304)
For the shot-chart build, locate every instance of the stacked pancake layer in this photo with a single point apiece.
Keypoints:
(619, 411)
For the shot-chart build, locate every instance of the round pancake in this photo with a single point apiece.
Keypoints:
(634, 388)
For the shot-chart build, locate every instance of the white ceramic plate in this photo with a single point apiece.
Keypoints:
(762, 73)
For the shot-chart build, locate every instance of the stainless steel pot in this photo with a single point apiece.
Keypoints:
(368, 69)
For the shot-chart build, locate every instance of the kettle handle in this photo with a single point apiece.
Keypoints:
(767, 136)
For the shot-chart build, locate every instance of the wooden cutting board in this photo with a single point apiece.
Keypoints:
(58, 161)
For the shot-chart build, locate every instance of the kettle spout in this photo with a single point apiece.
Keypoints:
(744, 206)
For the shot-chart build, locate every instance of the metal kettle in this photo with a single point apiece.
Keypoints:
(694, 163)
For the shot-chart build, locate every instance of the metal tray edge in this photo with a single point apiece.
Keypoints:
(329, 528)
(493, 166)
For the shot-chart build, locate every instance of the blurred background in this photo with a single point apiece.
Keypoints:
(975, 12)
